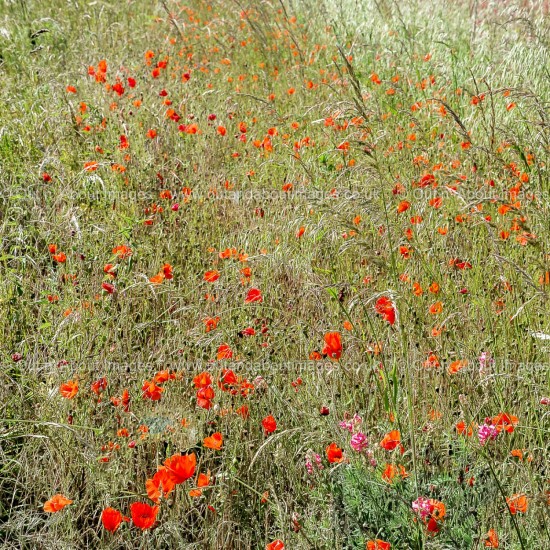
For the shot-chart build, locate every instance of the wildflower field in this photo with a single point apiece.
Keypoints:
(275, 274)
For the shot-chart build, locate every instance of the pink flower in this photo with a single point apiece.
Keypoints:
(359, 442)
(486, 432)
(423, 507)
(485, 360)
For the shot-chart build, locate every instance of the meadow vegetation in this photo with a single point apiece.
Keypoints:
(275, 274)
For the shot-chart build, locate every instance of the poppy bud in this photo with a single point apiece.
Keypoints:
(324, 411)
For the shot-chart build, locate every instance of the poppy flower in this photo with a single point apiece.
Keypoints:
(69, 389)
(403, 206)
(517, 503)
(333, 345)
(224, 352)
(269, 424)
(202, 380)
(108, 287)
(391, 440)
(391, 471)
(211, 276)
(506, 422)
(202, 481)
(275, 545)
(378, 545)
(491, 539)
(463, 430)
(215, 441)
(253, 295)
(457, 366)
(181, 467)
(385, 307)
(167, 270)
(334, 453)
(56, 503)
(60, 257)
(151, 390)
(162, 484)
(204, 398)
(143, 515)
(99, 385)
(111, 519)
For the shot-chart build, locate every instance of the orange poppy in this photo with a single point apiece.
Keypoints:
(202, 481)
(457, 366)
(56, 503)
(69, 389)
(517, 503)
(202, 380)
(391, 440)
(391, 471)
(506, 422)
(161, 484)
(215, 441)
(224, 352)
(491, 539)
(151, 391)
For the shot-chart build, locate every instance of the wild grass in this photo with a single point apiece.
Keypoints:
(368, 100)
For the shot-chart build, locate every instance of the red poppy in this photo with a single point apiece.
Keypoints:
(204, 397)
(143, 515)
(269, 424)
(211, 276)
(111, 519)
(333, 345)
(151, 390)
(181, 467)
(254, 295)
(385, 307)
(99, 385)
(202, 380)
(334, 453)
(378, 545)
(275, 545)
